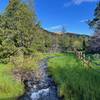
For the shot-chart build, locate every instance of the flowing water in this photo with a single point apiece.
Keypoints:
(44, 89)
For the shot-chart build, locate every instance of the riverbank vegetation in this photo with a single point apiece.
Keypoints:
(9, 87)
(75, 82)
(24, 43)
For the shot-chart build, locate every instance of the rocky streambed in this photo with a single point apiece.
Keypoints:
(42, 89)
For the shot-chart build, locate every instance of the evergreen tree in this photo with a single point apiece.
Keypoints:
(17, 29)
(95, 23)
(94, 45)
(23, 22)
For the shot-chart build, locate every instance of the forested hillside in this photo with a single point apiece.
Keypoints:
(63, 41)
(19, 29)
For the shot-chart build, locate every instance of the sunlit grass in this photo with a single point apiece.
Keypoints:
(95, 60)
(9, 87)
(75, 82)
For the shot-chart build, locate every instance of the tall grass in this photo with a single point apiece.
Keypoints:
(74, 81)
(9, 87)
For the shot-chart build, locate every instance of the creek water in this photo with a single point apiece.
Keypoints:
(44, 89)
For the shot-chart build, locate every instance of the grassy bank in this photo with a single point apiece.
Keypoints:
(74, 81)
(9, 87)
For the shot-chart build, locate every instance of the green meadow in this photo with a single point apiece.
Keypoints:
(75, 82)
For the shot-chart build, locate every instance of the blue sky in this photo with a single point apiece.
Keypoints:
(54, 14)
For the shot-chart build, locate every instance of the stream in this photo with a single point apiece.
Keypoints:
(44, 89)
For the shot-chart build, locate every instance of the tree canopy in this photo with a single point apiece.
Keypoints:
(94, 45)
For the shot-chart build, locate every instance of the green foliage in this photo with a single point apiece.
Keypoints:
(20, 61)
(69, 41)
(94, 43)
(74, 81)
(16, 29)
(95, 23)
(21, 41)
(19, 29)
(95, 60)
(23, 22)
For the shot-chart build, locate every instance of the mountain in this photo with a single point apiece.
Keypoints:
(67, 33)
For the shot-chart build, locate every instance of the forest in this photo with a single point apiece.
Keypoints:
(36, 64)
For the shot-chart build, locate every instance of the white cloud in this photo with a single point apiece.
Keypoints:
(83, 20)
(55, 28)
(67, 4)
(77, 2)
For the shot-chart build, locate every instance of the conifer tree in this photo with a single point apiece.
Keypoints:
(94, 45)
(22, 22)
